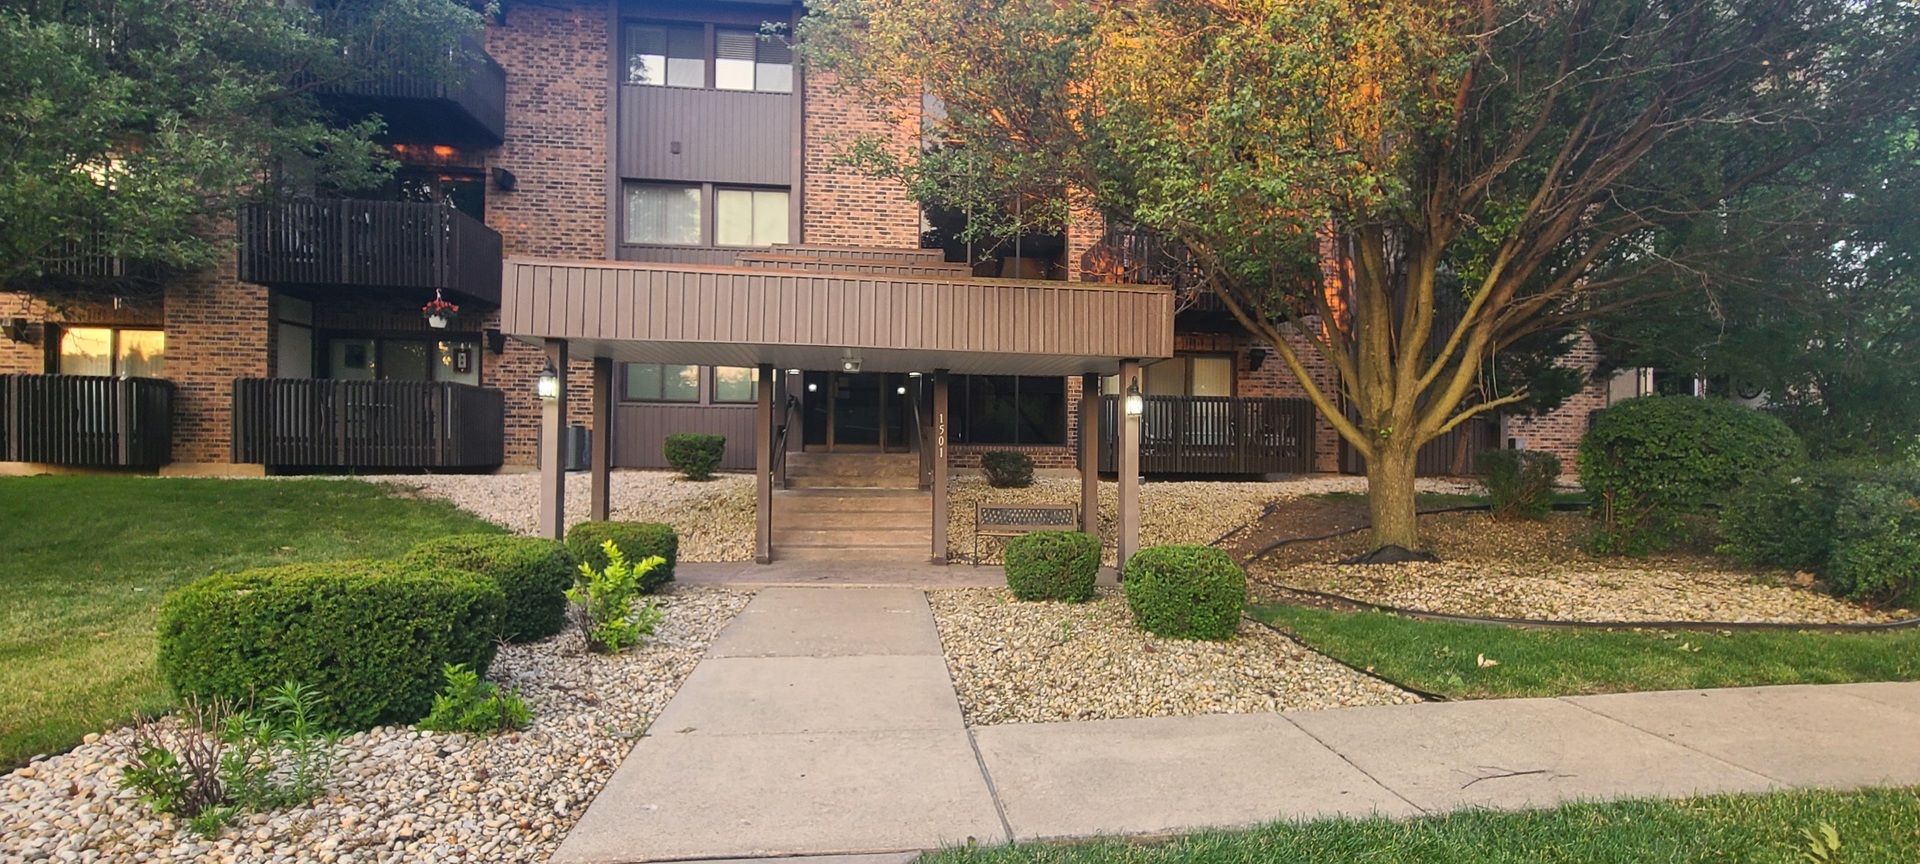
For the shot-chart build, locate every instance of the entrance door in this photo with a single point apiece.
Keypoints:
(864, 411)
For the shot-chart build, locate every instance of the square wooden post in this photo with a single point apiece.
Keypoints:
(1128, 464)
(763, 467)
(553, 448)
(1090, 453)
(600, 490)
(940, 426)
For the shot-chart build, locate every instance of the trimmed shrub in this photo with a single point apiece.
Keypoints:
(639, 540)
(1650, 461)
(1007, 469)
(372, 637)
(1785, 519)
(1185, 592)
(1053, 565)
(534, 574)
(1520, 482)
(1876, 544)
(695, 454)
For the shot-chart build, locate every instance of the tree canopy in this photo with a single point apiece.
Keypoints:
(130, 128)
(1416, 188)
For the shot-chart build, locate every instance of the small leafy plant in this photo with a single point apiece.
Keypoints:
(603, 602)
(1520, 482)
(468, 704)
(212, 762)
(1007, 469)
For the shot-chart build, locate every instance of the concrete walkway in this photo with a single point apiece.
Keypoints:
(823, 722)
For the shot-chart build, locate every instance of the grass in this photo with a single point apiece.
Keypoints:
(1443, 658)
(85, 561)
(1873, 826)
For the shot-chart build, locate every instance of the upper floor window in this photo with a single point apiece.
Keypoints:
(676, 214)
(662, 55)
(749, 217)
(663, 213)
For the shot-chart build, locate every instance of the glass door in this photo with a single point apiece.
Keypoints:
(857, 412)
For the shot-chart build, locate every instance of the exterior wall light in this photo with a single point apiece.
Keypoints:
(850, 365)
(548, 387)
(1136, 403)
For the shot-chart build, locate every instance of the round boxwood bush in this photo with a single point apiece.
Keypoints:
(1876, 543)
(1007, 469)
(636, 540)
(1648, 462)
(1185, 592)
(1053, 565)
(533, 573)
(695, 454)
(373, 637)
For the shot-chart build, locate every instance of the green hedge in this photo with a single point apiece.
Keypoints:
(1185, 592)
(1520, 482)
(1053, 565)
(533, 573)
(1648, 462)
(1007, 469)
(637, 540)
(1786, 519)
(373, 637)
(1876, 542)
(695, 454)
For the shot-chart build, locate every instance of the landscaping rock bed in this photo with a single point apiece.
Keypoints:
(713, 517)
(400, 795)
(1015, 662)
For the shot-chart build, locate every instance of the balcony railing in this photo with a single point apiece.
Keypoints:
(303, 423)
(388, 244)
(86, 420)
(419, 108)
(1455, 454)
(1215, 435)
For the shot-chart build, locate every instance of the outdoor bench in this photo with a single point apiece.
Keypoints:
(997, 520)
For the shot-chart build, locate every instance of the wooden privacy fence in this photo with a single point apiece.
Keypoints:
(1214, 435)
(86, 420)
(387, 244)
(313, 423)
(1455, 454)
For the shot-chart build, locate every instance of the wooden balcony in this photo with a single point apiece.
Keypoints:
(344, 242)
(86, 420)
(1215, 435)
(314, 424)
(419, 109)
(1455, 454)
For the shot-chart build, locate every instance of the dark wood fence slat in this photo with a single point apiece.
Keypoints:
(313, 423)
(86, 420)
(1215, 435)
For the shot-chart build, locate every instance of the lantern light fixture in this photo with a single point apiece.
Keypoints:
(1136, 403)
(548, 387)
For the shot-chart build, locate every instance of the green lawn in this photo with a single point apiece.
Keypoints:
(85, 561)
(1874, 827)
(1443, 658)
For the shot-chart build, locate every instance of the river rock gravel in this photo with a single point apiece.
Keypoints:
(400, 795)
(1018, 662)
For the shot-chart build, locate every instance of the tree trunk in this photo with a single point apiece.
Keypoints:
(1390, 496)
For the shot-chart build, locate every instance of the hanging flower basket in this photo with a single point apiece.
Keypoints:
(439, 312)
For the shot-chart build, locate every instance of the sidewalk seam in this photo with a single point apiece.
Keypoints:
(1682, 745)
(993, 790)
(1356, 766)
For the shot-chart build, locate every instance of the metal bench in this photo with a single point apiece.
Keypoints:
(998, 520)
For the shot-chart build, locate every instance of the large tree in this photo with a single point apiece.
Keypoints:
(131, 128)
(1413, 187)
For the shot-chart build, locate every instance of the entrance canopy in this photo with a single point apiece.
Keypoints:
(742, 316)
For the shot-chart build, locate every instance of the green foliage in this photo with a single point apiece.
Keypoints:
(1007, 469)
(587, 542)
(1520, 482)
(212, 763)
(370, 636)
(1648, 462)
(605, 597)
(1785, 519)
(1185, 592)
(695, 454)
(533, 573)
(1876, 543)
(468, 704)
(1053, 565)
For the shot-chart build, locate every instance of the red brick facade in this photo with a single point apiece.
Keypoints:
(841, 206)
(1558, 431)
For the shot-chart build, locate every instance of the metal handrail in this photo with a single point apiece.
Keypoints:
(780, 440)
(923, 439)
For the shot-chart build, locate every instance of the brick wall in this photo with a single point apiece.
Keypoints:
(841, 206)
(556, 59)
(217, 330)
(1558, 431)
(23, 358)
(1274, 379)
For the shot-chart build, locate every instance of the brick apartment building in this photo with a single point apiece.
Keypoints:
(666, 135)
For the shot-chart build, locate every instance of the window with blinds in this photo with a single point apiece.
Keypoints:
(745, 60)
(663, 56)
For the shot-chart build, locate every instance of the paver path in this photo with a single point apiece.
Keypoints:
(823, 722)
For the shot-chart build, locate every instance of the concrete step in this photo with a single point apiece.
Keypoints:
(850, 499)
(865, 538)
(919, 520)
(838, 482)
(921, 553)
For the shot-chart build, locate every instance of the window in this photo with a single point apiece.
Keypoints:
(375, 358)
(1005, 409)
(661, 213)
(743, 60)
(736, 384)
(656, 382)
(1184, 375)
(659, 56)
(112, 351)
(749, 217)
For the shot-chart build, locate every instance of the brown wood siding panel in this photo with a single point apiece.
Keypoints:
(725, 136)
(662, 254)
(640, 431)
